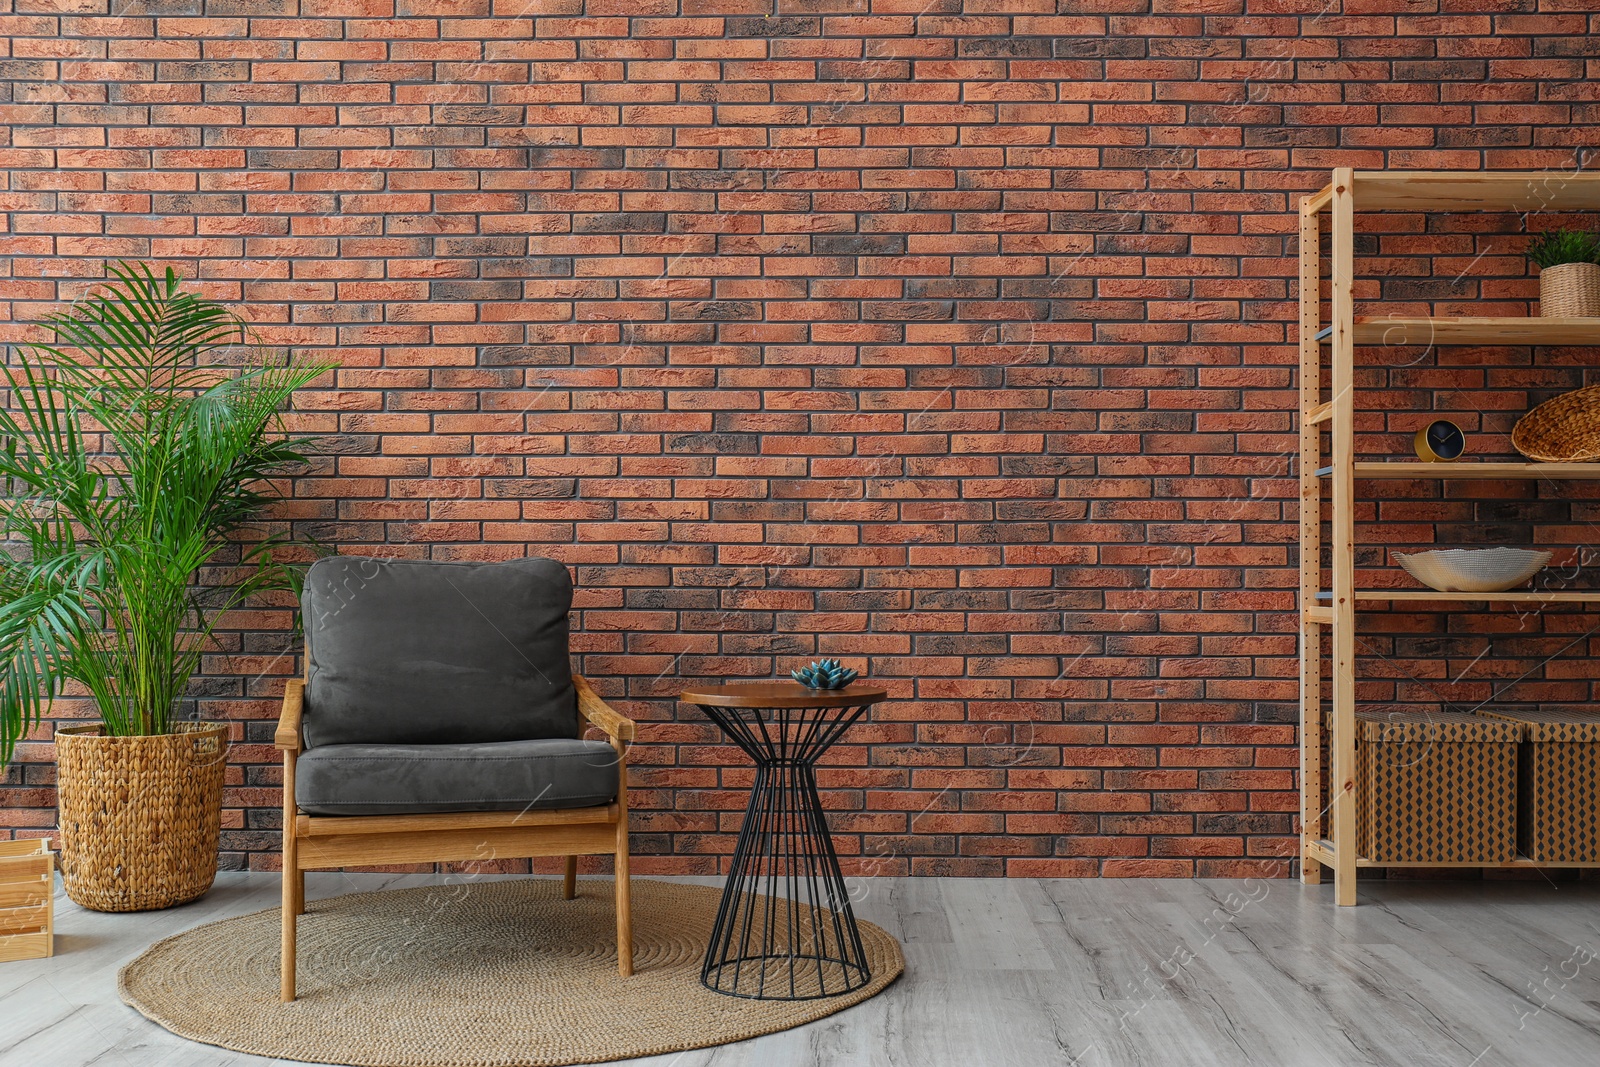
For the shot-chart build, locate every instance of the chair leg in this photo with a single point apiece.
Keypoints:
(291, 906)
(624, 903)
(294, 881)
(569, 884)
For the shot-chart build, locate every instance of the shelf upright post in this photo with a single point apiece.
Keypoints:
(1311, 742)
(1342, 536)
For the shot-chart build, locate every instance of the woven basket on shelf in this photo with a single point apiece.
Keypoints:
(1563, 430)
(1570, 291)
(139, 816)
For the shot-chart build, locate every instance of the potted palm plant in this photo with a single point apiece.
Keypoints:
(1569, 273)
(135, 450)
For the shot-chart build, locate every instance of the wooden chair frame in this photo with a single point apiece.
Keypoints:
(312, 842)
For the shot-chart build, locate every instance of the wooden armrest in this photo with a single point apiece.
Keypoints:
(599, 713)
(287, 736)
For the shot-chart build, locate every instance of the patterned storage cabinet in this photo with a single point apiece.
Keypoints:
(1435, 787)
(1558, 784)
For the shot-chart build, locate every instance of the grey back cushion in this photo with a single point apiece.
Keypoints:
(409, 652)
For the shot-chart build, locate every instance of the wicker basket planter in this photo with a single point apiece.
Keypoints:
(140, 816)
(1570, 291)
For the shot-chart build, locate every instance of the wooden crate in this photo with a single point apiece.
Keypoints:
(27, 900)
(1558, 784)
(1437, 787)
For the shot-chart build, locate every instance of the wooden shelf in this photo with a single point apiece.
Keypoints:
(1551, 595)
(1432, 190)
(1468, 469)
(1521, 862)
(1522, 330)
(1567, 595)
(1323, 851)
(1398, 330)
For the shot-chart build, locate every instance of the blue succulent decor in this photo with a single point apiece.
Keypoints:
(824, 674)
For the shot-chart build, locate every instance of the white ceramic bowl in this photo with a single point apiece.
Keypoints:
(1473, 570)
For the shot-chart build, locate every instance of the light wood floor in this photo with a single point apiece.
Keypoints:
(1089, 973)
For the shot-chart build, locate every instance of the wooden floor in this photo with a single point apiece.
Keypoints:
(1058, 973)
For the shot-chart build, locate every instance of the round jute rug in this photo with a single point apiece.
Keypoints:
(483, 974)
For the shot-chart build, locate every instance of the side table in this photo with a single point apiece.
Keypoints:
(784, 930)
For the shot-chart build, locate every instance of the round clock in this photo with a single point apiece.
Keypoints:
(1442, 440)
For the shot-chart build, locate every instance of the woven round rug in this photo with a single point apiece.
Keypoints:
(484, 974)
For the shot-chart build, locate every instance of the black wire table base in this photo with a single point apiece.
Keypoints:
(784, 929)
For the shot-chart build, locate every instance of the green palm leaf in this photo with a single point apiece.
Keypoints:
(133, 450)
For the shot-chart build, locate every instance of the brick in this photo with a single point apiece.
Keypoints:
(955, 344)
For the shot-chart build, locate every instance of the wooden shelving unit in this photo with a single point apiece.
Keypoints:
(1328, 840)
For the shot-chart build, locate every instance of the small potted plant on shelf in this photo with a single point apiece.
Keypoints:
(134, 450)
(1569, 273)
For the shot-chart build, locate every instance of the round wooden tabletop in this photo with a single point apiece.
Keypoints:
(782, 694)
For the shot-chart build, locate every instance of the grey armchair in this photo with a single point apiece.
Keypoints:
(439, 719)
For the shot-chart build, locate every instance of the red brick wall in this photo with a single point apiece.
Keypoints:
(946, 339)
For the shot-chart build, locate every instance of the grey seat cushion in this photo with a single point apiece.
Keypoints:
(498, 776)
(406, 652)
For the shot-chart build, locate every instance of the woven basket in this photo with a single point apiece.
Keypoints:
(1563, 430)
(139, 816)
(1570, 291)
